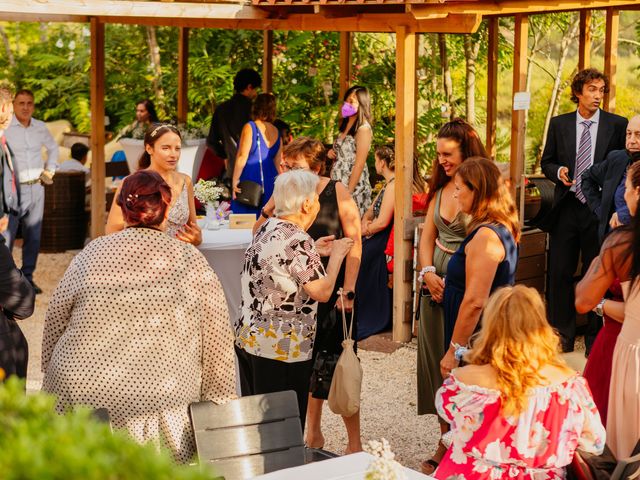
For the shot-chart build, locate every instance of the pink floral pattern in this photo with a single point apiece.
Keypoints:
(538, 443)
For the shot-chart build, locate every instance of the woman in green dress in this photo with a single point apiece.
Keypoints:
(444, 229)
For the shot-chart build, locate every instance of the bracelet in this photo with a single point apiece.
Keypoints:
(424, 271)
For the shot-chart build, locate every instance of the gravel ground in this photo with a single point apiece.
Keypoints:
(388, 395)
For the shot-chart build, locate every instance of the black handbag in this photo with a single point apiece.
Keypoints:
(251, 192)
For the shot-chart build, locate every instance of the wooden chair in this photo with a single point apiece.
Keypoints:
(116, 169)
(249, 436)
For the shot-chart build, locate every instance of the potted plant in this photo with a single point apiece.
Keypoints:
(36, 442)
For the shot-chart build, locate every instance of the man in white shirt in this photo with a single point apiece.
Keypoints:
(26, 136)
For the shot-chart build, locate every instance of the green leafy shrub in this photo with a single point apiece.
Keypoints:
(37, 443)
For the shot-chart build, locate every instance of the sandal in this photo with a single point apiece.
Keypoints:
(429, 466)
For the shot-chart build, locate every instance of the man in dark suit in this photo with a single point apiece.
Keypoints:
(17, 296)
(230, 116)
(603, 183)
(576, 141)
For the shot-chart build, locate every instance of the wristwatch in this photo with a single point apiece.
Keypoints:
(600, 308)
(350, 294)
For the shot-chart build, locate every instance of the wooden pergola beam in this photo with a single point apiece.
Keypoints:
(492, 87)
(183, 74)
(611, 56)
(584, 43)
(345, 62)
(406, 46)
(225, 16)
(267, 61)
(519, 85)
(97, 129)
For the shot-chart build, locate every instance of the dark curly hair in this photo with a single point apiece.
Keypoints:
(585, 76)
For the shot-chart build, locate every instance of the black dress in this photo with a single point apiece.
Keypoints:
(329, 333)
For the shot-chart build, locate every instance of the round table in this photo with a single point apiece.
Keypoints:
(224, 250)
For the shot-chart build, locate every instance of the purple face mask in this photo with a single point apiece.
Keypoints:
(348, 110)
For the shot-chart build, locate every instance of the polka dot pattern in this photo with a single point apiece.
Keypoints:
(139, 325)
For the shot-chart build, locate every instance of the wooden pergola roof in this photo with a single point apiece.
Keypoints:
(405, 18)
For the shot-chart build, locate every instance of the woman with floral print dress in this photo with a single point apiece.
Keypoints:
(351, 148)
(516, 411)
(283, 280)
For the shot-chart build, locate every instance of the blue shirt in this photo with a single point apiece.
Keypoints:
(624, 217)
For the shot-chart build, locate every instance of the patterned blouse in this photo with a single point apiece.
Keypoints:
(277, 317)
(536, 444)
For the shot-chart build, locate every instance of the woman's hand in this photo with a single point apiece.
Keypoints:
(448, 363)
(331, 154)
(324, 245)
(614, 222)
(341, 247)
(366, 228)
(435, 284)
(235, 190)
(190, 233)
(348, 304)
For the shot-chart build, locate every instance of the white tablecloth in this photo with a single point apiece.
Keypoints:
(224, 250)
(348, 467)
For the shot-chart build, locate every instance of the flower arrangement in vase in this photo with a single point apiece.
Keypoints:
(384, 466)
(208, 192)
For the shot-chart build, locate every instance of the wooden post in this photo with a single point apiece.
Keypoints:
(611, 57)
(405, 118)
(584, 45)
(267, 61)
(183, 74)
(345, 62)
(97, 129)
(519, 85)
(492, 87)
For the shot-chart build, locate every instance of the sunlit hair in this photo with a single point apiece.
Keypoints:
(517, 341)
(492, 202)
(264, 107)
(419, 184)
(144, 198)
(585, 76)
(308, 149)
(364, 109)
(151, 136)
(470, 146)
(292, 189)
(387, 155)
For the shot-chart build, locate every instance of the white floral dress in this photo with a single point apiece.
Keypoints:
(178, 213)
(345, 150)
(536, 444)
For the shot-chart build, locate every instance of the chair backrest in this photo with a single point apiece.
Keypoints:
(628, 468)
(249, 436)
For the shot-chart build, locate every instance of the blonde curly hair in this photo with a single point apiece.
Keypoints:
(517, 341)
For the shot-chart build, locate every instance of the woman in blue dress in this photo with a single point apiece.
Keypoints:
(486, 259)
(259, 151)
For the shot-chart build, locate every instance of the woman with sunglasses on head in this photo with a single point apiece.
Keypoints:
(351, 148)
(162, 144)
(338, 217)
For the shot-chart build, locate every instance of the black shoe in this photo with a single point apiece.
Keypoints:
(36, 288)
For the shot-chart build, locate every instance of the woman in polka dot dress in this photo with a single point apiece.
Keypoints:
(139, 325)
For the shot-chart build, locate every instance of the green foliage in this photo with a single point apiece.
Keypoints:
(37, 443)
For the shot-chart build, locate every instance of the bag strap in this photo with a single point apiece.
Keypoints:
(347, 335)
(259, 157)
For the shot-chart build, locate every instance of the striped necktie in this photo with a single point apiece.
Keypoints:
(583, 159)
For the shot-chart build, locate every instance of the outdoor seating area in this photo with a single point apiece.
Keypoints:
(318, 239)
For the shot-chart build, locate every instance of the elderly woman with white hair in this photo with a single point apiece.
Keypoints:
(283, 280)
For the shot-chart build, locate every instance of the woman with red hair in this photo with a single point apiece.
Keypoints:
(139, 325)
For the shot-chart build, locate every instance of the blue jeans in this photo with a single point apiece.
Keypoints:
(30, 217)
